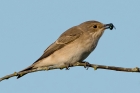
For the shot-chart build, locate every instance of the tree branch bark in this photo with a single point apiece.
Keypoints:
(95, 66)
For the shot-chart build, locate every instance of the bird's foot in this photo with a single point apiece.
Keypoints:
(86, 65)
(68, 66)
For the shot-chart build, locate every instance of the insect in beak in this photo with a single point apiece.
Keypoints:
(109, 26)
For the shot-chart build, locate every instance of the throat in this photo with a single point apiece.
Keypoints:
(96, 36)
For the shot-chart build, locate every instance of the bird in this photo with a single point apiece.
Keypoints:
(73, 45)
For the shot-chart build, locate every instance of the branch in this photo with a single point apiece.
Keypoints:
(95, 66)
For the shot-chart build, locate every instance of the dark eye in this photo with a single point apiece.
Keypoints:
(95, 26)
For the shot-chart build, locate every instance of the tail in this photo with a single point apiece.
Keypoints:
(26, 69)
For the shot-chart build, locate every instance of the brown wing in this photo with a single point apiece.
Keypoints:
(67, 37)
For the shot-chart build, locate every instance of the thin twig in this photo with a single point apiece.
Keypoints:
(95, 66)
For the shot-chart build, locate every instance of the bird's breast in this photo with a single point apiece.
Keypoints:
(72, 52)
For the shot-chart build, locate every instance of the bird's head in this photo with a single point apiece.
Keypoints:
(95, 28)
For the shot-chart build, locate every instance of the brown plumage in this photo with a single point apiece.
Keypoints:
(73, 45)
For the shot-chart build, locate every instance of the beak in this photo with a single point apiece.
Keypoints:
(109, 26)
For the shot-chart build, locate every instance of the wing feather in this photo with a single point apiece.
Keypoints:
(67, 37)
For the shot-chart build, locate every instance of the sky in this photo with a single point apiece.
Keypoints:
(28, 27)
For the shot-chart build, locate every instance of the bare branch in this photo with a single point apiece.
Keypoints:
(95, 66)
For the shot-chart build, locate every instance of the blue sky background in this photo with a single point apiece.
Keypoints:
(27, 27)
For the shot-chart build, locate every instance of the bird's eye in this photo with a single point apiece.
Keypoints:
(95, 26)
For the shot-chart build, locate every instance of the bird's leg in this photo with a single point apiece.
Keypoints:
(68, 65)
(86, 64)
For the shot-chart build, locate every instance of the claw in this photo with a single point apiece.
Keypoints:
(67, 66)
(86, 65)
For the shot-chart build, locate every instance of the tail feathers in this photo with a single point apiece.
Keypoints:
(26, 69)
